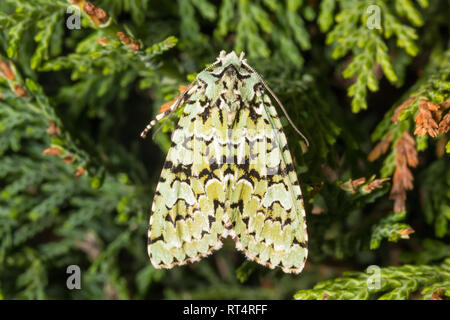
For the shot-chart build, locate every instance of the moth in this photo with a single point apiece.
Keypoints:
(228, 173)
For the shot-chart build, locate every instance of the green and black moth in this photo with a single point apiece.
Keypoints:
(228, 173)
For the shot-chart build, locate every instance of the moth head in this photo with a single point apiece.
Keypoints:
(231, 59)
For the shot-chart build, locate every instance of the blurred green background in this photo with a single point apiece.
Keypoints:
(366, 81)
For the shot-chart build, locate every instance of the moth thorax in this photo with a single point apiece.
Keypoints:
(231, 94)
(230, 80)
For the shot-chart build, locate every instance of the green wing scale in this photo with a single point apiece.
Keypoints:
(186, 221)
(228, 173)
(266, 204)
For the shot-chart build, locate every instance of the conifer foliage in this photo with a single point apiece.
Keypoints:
(368, 82)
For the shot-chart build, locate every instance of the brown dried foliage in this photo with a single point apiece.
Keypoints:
(133, 44)
(375, 184)
(446, 104)
(404, 233)
(97, 15)
(123, 37)
(102, 41)
(52, 151)
(6, 71)
(89, 8)
(79, 171)
(437, 294)
(101, 15)
(167, 105)
(444, 126)
(380, 148)
(53, 129)
(401, 107)
(20, 91)
(406, 156)
(355, 184)
(68, 159)
(427, 119)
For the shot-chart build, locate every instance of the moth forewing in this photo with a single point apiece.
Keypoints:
(228, 173)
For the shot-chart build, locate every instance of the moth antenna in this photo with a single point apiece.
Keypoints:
(278, 101)
(173, 108)
(167, 113)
